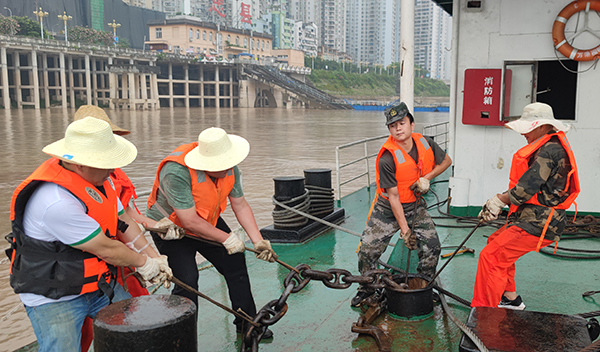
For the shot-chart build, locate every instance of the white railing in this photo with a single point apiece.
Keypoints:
(365, 157)
(439, 133)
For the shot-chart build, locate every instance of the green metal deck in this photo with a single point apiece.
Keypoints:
(320, 318)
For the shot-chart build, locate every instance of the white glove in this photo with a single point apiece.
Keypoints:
(491, 209)
(266, 252)
(233, 244)
(149, 272)
(421, 186)
(165, 270)
(174, 232)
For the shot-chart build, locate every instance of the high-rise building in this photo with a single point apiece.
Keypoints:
(306, 38)
(139, 3)
(433, 39)
(372, 31)
(332, 24)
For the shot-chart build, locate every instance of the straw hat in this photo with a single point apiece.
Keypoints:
(94, 111)
(535, 115)
(217, 151)
(90, 142)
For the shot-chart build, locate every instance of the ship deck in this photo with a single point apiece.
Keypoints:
(320, 318)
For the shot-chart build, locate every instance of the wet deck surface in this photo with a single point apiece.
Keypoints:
(320, 318)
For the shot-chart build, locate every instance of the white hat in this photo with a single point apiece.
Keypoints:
(535, 115)
(94, 111)
(217, 151)
(91, 142)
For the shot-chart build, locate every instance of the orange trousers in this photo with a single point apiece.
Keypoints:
(496, 267)
(134, 288)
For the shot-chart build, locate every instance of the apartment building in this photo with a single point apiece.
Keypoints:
(189, 35)
(332, 26)
(372, 31)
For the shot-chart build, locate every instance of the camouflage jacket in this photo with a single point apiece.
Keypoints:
(546, 177)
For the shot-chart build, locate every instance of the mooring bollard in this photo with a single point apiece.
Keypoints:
(318, 183)
(147, 323)
(290, 191)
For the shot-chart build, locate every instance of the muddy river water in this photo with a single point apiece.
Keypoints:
(282, 143)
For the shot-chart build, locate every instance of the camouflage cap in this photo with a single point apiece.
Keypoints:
(395, 113)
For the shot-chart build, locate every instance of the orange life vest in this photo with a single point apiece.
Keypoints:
(210, 197)
(123, 186)
(407, 171)
(520, 164)
(54, 269)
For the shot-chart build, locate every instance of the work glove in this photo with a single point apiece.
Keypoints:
(421, 186)
(233, 244)
(165, 270)
(150, 272)
(410, 239)
(173, 232)
(266, 252)
(491, 209)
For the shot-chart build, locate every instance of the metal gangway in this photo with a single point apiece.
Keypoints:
(272, 74)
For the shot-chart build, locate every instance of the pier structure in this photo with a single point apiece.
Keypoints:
(40, 73)
(43, 73)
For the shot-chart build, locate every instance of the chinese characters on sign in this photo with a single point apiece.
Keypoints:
(488, 90)
(481, 97)
(217, 5)
(245, 14)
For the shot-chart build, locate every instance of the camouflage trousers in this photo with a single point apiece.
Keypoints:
(382, 225)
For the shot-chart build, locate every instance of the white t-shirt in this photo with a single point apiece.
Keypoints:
(55, 214)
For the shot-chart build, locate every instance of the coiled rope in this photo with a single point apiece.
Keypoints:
(288, 218)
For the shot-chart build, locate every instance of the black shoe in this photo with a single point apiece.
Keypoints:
(516, 303)
(360, 297)
(267, 335)
(436, 297)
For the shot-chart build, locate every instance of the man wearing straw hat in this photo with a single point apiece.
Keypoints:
(191, 188)
(65, 217)
(126, 193)
(543, 184)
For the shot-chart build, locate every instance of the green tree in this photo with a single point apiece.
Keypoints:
(123, 42)
(29, 27)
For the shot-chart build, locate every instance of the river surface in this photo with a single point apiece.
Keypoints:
(282, 143)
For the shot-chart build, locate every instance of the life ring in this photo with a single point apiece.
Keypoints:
(558, 31)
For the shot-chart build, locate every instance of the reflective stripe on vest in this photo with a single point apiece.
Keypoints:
(520, 164)
(210, 197)
(103, 209)
(407, 171)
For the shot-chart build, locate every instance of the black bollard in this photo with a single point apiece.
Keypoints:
(147, 323)
(318, 182)
(318, 177)
(290, 191)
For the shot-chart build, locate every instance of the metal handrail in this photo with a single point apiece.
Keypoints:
(432, 131)
(366, 158)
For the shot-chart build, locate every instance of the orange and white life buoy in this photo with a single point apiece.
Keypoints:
(558, 31)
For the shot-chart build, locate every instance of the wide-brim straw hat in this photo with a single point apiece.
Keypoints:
(94, 111)
(536, 115)
(91, 142)
(217, 151)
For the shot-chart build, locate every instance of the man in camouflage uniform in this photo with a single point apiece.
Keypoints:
(405, 164)
(543, 184)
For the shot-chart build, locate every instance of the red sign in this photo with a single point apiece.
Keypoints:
(245, 13)
(217, 5)
(481, 97)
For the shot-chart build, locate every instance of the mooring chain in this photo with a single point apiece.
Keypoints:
(294, 282)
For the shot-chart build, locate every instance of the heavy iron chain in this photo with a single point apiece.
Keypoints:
(294, 282)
